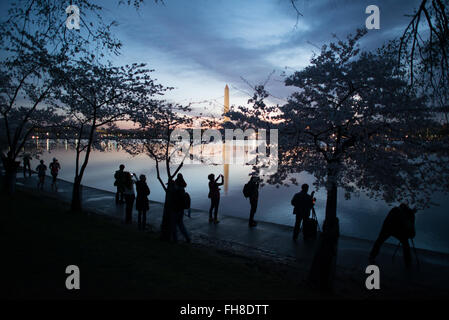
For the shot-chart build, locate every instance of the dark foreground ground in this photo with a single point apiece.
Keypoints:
(40, 237)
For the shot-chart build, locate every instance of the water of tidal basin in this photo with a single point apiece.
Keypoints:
(360, 217)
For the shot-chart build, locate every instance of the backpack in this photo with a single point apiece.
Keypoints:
(186, 200)
(246, 190)
(54, 167)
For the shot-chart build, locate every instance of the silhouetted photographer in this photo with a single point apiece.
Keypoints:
(302, 203)
(399, 223)
(214, 196)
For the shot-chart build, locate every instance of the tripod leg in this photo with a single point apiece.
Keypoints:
(395, 251)
(416, 254)
(315, 217)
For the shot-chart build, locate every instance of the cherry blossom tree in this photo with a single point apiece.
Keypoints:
(97, 96)
(423, 49)
(35, 45)
(26, 87)
(425, 39)
(356, 125)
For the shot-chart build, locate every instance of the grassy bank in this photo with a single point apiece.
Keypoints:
(40, 237)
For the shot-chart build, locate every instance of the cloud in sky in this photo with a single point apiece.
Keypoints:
(197, 46)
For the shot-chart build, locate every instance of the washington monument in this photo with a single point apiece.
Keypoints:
(226, 165)
(226, 102)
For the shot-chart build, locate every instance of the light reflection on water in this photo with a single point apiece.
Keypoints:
(359, 217)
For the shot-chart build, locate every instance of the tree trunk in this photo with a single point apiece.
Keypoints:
(77, 191)
(167, 223)
(10, 166)
(324, 262)
(76, 195)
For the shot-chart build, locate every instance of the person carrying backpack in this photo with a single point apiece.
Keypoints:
(399, 223)
(302, 203)
(251, 191)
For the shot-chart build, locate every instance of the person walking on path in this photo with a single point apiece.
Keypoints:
(41, 170)
(302, 203)
(179, 205)
(54, 170)
(251, 191)
(142, 202)
(214, 195)
(27, 165)
(119, 183)
(399, 223)
(128, 193)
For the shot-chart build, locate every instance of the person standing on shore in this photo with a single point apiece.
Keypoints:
(128, 193)
(168, 225)
(302, 203)
(142, 202)
(54, 170)
(179, 206)
(41, 170)
(119, 183)
(26, 165)
(214, 195)
(251, 191)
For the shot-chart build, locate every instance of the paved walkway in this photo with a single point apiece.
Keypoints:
(272, 239)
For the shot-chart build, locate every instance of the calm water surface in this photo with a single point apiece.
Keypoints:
(359, 217)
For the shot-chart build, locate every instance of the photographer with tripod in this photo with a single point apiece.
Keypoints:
(399, 223)
(303, 203)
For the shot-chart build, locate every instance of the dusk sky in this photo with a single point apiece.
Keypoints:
(130, 154)
(198, 46)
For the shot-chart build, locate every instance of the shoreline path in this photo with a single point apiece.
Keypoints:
(273, 241)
